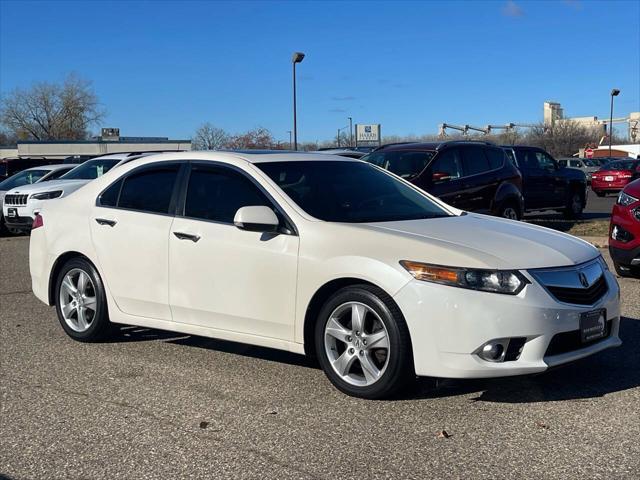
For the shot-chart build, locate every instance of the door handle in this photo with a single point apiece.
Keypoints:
(187, 236)
(105, 221)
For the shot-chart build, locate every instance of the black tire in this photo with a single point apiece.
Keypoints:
(399, 370)
(100, 327)
(510, 210)
(3, 228)
(601, 194)
(626, 271)
(574, 206)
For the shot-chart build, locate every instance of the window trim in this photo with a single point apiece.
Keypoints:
(289, 227)
(172, 202)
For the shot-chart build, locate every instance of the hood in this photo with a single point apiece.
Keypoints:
(632, 189)
(479, 241)
(65, 185)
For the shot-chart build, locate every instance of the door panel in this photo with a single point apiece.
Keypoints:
(133, 259)
(224, 277)
(233, 279)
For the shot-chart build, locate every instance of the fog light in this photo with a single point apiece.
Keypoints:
(494, 350)
(620, 234)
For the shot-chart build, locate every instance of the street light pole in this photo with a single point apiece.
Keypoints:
(289, 132)
(350, 132)
(614, 93)
(297, 58)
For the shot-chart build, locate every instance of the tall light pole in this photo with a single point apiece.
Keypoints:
(350, 132)
(614, 93)
(296, 58)
(289, 132)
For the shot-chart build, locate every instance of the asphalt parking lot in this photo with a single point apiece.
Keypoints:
(152, 404)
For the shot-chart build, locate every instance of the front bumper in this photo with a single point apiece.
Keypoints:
(24, 215)
(448, 324)
(626, 257)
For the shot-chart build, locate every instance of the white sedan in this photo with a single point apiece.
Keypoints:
(323, 256)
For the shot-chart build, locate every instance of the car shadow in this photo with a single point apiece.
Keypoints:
(610, 371)
(607, 372)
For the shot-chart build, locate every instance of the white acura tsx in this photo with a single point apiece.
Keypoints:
(331, 257)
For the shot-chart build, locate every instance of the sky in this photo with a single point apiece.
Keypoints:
(163, 68)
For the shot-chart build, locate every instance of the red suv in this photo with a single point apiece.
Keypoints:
(614, 176)
(624, 231)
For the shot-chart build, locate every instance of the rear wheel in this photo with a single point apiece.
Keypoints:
(363, 344)
(574, 205)
(601, 194)
(81, 303)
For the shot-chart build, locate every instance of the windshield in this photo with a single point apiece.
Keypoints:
(350, 192)
(589, 163)
(404, 163)
(619, 165)
(26, 177)
(91, 169)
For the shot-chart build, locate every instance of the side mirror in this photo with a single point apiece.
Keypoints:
(256, 219)
(440, 177)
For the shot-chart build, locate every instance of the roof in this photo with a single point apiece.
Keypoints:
(430, 145)
(251, 156)
(51, 167)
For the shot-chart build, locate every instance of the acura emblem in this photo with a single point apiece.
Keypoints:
(583, 279)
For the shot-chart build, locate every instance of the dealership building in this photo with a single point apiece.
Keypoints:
(109, 142)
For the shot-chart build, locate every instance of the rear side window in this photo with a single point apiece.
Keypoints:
(109, 197)
(149, 190)
(496, 157)
(404, 163)
(216, 194)
(474, 161)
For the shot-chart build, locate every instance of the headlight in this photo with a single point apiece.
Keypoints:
(626, 200)
(510, 282)
(46, 195)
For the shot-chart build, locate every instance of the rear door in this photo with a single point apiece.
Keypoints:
(480, 178)
(535, 184)
(130, 229)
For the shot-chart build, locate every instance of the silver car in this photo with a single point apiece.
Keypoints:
(587, 165)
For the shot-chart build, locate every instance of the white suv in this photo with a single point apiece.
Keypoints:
(22, 203)
(331, 257)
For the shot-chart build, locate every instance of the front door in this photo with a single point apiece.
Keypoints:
(223, 277)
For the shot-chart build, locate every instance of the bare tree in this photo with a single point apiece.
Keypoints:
(49, 111)
(259, 137)
(209, 137)
(563, 138)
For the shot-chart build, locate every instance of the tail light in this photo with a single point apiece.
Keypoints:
(625, 175)
(37, 222)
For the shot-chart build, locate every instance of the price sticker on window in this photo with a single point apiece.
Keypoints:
(99, 170)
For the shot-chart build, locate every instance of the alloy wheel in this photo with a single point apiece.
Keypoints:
(510, 213)
(357, 344)
(78, 301)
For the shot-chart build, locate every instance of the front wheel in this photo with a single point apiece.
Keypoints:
(362, 343)
(509, 210)
(81, 303)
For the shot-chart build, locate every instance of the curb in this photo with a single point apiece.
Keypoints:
(598, 242)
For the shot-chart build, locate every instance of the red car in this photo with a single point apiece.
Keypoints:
(624, 231)
(614, 176)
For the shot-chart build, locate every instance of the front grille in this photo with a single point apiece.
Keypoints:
(14, 199)
(581, 296)
(570, 341)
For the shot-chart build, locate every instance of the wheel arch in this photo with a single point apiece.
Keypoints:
(508, 192)
(317, 301)
(57, 266)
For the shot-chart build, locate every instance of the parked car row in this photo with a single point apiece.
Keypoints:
(481, 177)
(334, 258)
(614, 176)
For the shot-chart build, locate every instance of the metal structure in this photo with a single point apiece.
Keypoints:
(296, 58)
(486, 130)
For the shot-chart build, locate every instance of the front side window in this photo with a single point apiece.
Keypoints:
(474, 161)
(91, 169)
(545, 162)
(351, 192)
(217, 193)
(149, 190)
(26, 177)
(404, 163)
